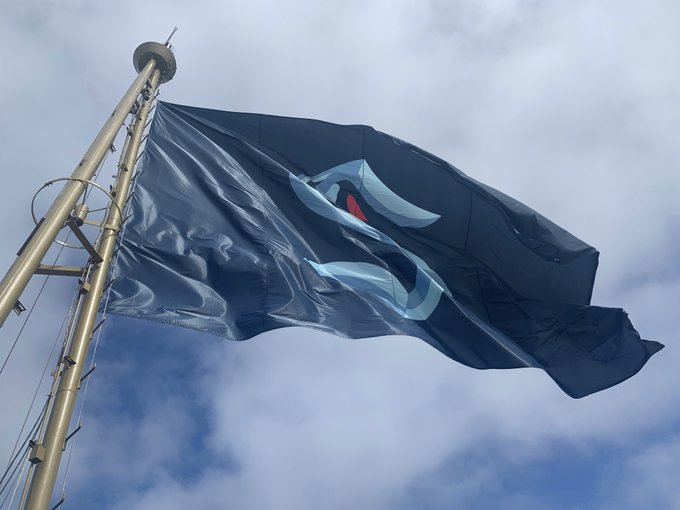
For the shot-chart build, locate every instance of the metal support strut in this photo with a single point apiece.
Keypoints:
(155, 64)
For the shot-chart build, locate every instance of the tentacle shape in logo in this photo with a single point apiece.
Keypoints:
(378, 281)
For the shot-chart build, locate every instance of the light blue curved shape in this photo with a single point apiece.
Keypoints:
(379, 282)
(382, 199)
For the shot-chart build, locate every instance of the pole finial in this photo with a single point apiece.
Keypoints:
(161, 53)
(167, 42)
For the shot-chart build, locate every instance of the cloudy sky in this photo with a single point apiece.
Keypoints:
(570, 107)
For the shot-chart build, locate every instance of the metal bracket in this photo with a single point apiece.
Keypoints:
(60, 270)
(75, 431)
(28, 239)
(99, 325)
(84, 287)
(59, 503)
(37, 454)
(87, 374)
(151, 110)
(18, 308)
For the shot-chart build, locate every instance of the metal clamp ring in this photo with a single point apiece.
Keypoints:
(82, 181)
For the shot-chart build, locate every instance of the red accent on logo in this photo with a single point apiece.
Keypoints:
(353, 208)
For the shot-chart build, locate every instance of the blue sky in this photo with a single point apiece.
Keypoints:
(571, 108)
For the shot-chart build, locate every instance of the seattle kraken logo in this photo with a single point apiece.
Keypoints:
(320, 193)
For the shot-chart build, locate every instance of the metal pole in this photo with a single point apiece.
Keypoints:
(29, 258)
(71, 366)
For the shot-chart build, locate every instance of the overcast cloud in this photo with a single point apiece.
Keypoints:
(570, 107)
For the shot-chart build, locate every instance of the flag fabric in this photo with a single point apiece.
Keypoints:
(243, 223)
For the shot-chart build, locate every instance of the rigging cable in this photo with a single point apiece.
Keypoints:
(16, 451)
(12, 480)
(41, 419)
(30, 311)
(16, 459)
(28, 437)
(28, 316)
(20, 461)
(16, 482)
(5, 480)
(49, 358)
(68, 315)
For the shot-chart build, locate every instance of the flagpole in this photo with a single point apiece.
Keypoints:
(33, 251)
(155, 64)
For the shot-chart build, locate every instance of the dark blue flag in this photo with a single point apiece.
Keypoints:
(244, 223)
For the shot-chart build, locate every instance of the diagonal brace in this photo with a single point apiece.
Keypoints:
(96, 258)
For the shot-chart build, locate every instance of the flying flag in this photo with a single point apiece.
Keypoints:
(243, 223)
